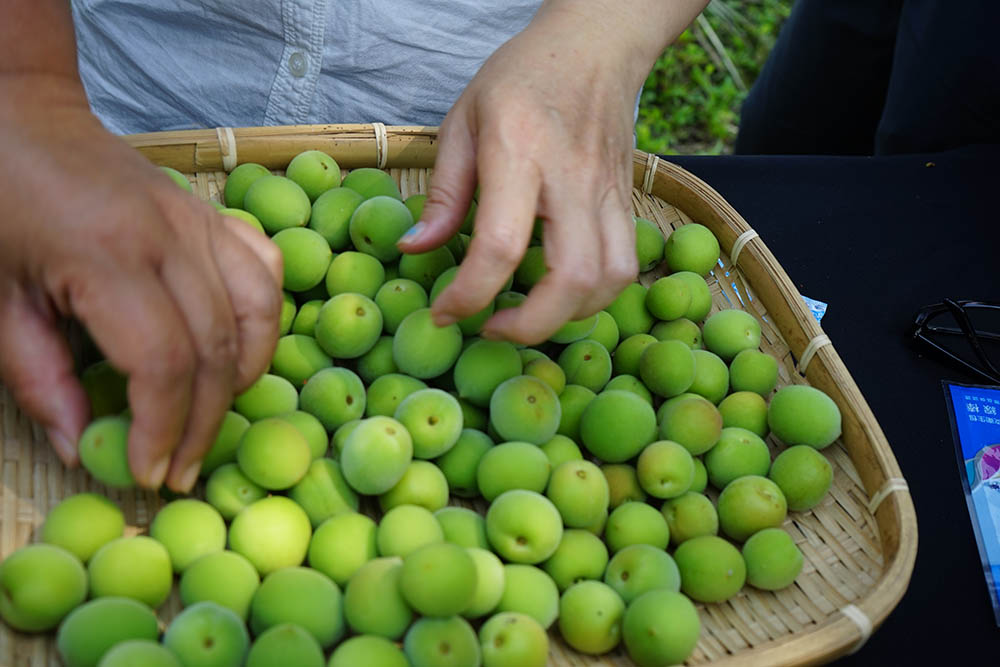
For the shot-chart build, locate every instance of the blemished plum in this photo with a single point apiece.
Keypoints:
(376, 455)
(397, 299)
(354, 272)
(441, 642)
(712, 569)
(104, 451)
(690, 515)
(433, 418)
(587, 363)
(660, 627)
(385, 393)
(753, 370)
(648, 244)
(681, 329)
(335, 396)
(377, 224)
(640, 568)
(526, 409)
(509, 639)
(580, 555)
(580, 492)
(665, 469)
(314, 171)
(348, 325)
(590, 615)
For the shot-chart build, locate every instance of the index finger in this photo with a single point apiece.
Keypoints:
(509, 189)
(140, 329)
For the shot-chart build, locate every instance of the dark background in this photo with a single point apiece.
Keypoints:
(877, 238)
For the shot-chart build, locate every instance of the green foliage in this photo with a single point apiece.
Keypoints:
(691, 100)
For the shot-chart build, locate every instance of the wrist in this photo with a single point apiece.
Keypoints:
(629, 37)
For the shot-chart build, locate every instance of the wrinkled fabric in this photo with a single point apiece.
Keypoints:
(151, 65)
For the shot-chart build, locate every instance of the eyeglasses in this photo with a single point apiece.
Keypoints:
(948, 329)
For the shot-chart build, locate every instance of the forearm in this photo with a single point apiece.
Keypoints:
(633, 33)
(37, 57)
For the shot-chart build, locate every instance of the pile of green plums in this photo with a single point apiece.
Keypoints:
(621, 468)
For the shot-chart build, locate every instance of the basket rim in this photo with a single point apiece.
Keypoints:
(355, 145)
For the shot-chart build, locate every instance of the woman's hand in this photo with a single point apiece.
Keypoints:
(546, 128)
(181, 300)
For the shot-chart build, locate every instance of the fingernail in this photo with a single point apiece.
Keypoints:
(158, 472)
(65, 448)
(189, 477)
(413, 233)
(444, 320)
(490, 334)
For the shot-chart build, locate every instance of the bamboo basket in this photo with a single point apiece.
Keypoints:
(859, 544)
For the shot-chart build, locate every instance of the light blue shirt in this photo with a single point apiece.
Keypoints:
(150, 65)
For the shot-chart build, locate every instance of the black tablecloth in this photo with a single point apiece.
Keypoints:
(876, 239)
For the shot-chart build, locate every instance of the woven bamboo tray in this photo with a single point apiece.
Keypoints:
(859, 544)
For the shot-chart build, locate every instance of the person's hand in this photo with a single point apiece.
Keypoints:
(181, 300)
(546, 127)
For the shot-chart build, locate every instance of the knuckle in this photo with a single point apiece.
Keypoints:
(172, 361)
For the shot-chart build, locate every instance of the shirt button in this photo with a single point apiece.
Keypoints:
(297, 64)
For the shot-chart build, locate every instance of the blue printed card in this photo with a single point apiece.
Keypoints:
(975, 418)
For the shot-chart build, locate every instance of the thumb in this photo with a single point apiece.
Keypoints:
(37, 367)
(454, 181)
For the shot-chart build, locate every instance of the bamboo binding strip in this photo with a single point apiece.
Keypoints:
(859, 544)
